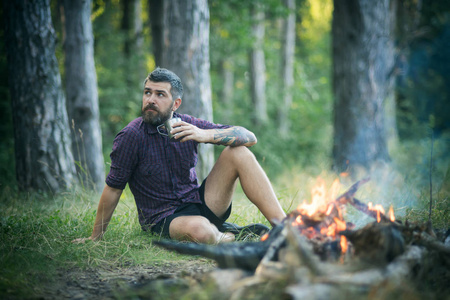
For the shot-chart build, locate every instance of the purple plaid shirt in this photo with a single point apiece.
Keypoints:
(161, 174)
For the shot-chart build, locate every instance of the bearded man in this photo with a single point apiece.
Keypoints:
(161, 172)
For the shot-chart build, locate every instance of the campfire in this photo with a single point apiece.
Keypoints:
(322, 220)
(316, 252)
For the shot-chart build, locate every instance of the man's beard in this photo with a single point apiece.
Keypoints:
(155, 120)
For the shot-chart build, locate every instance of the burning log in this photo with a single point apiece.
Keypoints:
(376, 242)
(272, 252)
(231, 255)
(246, 255)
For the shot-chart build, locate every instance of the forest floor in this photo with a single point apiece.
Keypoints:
(164, 280)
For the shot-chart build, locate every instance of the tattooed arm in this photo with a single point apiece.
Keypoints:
(233, 136)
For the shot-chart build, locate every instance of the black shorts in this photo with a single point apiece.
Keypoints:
(190, 209)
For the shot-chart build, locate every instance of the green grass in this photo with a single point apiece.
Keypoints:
(36, 233)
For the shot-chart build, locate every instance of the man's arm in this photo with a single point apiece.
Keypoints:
(106, 206)
(233, 136)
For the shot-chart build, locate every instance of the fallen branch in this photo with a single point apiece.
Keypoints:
(273, 249)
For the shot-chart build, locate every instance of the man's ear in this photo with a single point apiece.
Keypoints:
(176, 104)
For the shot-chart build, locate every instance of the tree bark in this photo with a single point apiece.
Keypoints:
(132, 26)
(186, 52)
(362, 61)
(157, 11)
(287, 67)
(44, 160)
(82, 95)
(227, 89)
(258, 66)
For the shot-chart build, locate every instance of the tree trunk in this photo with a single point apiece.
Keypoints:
(156, 8)
(82, 96)
(132, 26)
(406, 21)
(227, 89)
(258, 66)
(44, 160)
(390, 103)
(362, 61)
(287, 68)
(186, 52)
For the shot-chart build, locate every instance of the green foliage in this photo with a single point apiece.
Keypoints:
(310, 114)
(427, 177)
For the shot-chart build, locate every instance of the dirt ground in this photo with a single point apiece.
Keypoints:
(141, 282)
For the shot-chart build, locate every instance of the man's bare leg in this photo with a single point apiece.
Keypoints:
(239, 162)
(197, 229)
(233, 163)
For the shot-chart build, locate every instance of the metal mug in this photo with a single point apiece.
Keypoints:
(168, 125)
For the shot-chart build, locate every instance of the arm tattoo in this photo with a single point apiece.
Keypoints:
(234, 136)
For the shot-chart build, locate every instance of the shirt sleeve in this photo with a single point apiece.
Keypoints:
(124, 158)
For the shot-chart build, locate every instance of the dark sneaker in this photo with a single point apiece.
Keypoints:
(257, 229)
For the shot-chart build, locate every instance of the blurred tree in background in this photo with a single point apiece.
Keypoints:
(363, 60)
(124, 54)
(81, 94)
(423, 65)
(43, 157)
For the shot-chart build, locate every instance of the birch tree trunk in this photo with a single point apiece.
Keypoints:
(287, 68)
(227, 89)
(43, 156)
(362, 61)
(82, 95)
(258, 66)
(186, 52)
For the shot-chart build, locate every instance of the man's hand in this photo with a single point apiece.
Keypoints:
(106, 206)
(185, 132)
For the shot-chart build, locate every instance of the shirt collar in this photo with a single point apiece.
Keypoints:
(150, 128)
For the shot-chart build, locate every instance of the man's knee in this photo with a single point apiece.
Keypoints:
(238, 153)
(196, 229)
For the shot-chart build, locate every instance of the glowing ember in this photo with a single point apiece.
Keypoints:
(265, 237)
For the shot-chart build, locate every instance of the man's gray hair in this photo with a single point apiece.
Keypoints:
(164, 75)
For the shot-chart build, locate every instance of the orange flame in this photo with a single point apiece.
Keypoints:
(344, 244)
(316, 212)
(378, 209)
(341, 225)
(391, 214)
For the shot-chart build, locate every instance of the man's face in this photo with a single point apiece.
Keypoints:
(157, 103)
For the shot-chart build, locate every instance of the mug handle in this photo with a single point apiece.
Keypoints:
(161, 133)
